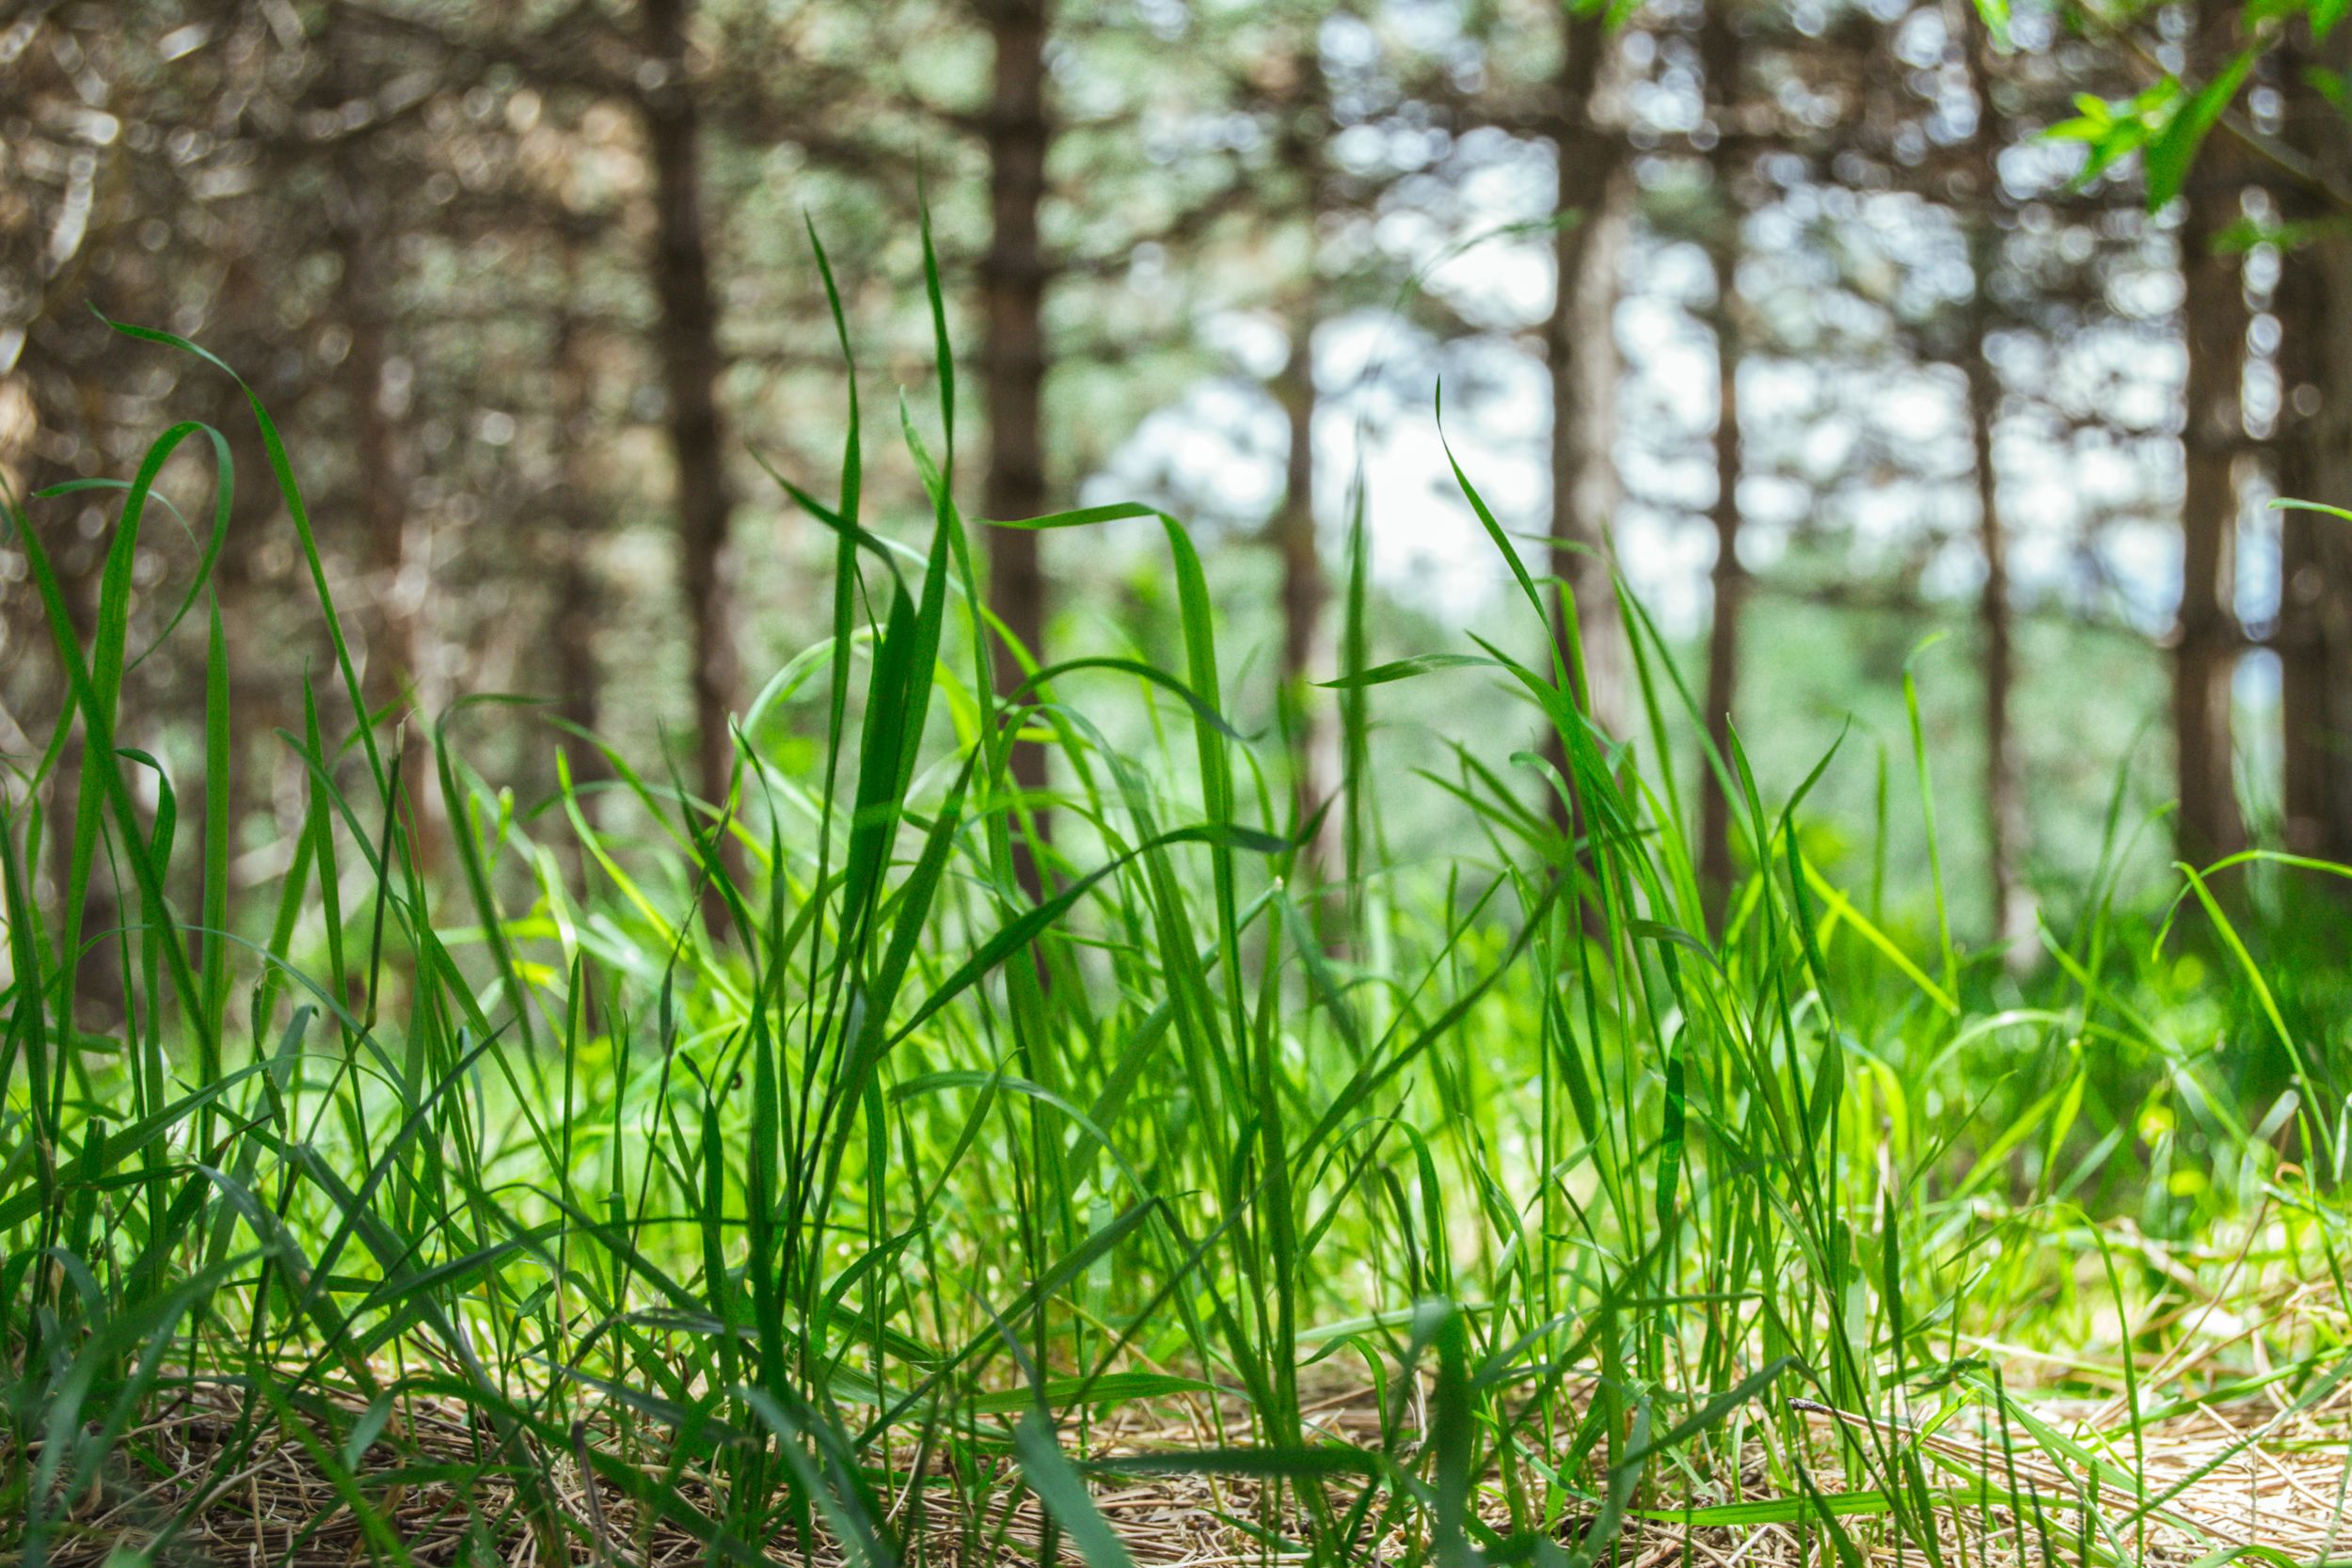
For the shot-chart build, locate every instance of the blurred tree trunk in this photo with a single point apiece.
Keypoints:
(98, 1000)
(2005, 819)
(688, 343)
(1013, 281)
(393, 623)
(575, 519)
(1719, 49)
(2314, 442)
(2206, 639)
(91, 947)
(2004, 798)
(571, 528)
(259, 702)
(1304, 592)
(1306, 723)
(62, 360)
(1580, 348)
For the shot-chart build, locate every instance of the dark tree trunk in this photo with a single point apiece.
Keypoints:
(393, 619)
(574, 526)
(1582, 352)
(688, 341)
(93, 948)
(1306, 723)
(2314, 444)
(2206, 638)
(260, 703)
(2004, 800)
(1013, 281)
(2005, 821)
(1304, 591)
(1720, 48)
(68, 412)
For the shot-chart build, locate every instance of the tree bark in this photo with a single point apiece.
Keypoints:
(2005, 805)
(1014, 275)
(1719, 47)
(1580, 349)
(2314, 464)
(691, 363)
(1304, 592)
(258, 700)
(2206, 636)
(574, 526)
(92, 948)
(394, 621)
(2005, 819)
(1306, 723)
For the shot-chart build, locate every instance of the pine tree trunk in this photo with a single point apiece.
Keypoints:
(1013, 281)
(260, 703)
(2315, 643)
(2005, 819)
(1580, 348)
(2206, 637)
(396, 672)
(99, 1001)
(2314, 636)
(1719, 46)
(687, 345)
(2004, 800)
(2314, 445)
(1305, 592)
(575, 527)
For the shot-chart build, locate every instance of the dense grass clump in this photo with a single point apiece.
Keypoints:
(852, 1168)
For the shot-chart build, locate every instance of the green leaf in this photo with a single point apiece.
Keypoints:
(2284, 504)
(2173, 148)
(1405, 669)
(1078, 518)
(1109, 1388)
(1057, 1486)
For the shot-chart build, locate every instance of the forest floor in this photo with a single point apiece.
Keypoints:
(2247, 1477)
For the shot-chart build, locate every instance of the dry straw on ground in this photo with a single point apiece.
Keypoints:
(2251, 1474)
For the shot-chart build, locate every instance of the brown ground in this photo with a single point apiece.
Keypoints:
(2239, 1476)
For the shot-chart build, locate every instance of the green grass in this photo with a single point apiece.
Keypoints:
(777, 1159)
